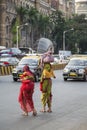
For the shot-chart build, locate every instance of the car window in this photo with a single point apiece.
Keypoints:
(82, 63)
(85, 63)
(16, 50)
(16, 60)
(4, 59)
(30, 62)
(3, 51)
(12, 59)
(77, 62)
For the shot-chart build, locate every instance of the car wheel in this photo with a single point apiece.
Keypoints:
(65, 79)
(36, 78)
(15, 79)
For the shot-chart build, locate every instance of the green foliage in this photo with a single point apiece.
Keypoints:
(58, 25)
(14, 39)
(32, 16)
(14, 30)
(80, 32)
(44, 25)
(21, 14)
(53, 27)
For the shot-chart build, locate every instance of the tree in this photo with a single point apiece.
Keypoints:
(44, 26)
(53, 27)
(58, 25)
(19, 20)
(79, 24)
(14, 31)
(32, 19)
(40, 25)
(21, 14)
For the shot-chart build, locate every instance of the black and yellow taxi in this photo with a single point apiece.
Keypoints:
(76, 69)
(33, 61)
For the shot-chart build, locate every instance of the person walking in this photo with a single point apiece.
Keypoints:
(46, 87)
(25, 97)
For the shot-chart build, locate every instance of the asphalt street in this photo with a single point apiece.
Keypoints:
(69, 106)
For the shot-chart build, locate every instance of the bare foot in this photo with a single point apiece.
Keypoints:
(49, 111)
(34, 113)
(42, 110)
(25, 114)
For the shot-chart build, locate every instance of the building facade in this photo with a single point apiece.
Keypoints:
(81, 7)
(8, 13)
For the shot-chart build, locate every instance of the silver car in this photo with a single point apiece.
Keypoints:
(76, 69)
(5, 61)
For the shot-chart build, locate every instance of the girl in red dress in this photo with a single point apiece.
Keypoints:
(26, 92)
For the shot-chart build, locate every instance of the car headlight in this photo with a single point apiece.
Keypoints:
(81, 71)
(66, 70)
(14, 70)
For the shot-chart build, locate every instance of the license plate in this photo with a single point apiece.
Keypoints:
(73, 74)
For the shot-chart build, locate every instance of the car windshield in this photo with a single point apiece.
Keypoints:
(16, 50)
(30, 62)
(4, 59)
(77, 62)
(3, 51)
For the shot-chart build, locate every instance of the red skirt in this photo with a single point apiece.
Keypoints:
(25, 97)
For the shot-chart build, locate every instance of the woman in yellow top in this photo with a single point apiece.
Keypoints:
(46, 86)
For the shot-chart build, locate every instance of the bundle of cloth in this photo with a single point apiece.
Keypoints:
(47, 57)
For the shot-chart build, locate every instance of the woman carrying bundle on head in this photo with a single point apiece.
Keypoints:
(46, 87)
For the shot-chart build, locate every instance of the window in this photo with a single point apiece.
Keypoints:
(61, 1)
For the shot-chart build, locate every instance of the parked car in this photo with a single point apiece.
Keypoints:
(76, 69)
(2, 47)
(11, 52)
(34, 64)
(5, 61)
(26, 50)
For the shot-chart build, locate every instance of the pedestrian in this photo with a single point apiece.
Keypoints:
(26, 92)
(46, 87)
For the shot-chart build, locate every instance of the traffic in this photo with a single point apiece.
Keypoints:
(74, 66)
